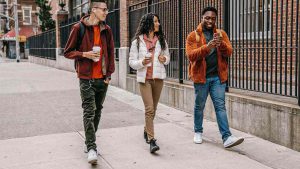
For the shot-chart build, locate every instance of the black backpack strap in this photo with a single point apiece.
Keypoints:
(79, 39)
(80, 35)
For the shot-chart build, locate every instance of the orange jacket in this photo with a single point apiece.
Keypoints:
(197, 50)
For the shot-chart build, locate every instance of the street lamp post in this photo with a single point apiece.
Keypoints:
(62, 4)
(17, 30)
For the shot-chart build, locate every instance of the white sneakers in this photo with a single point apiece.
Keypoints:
(198, 138)
(92, 156)
(233, 141)
(230, 142)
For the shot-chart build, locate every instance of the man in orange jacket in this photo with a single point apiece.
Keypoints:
(207, 49)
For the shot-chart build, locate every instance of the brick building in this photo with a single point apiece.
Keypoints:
(28, 25)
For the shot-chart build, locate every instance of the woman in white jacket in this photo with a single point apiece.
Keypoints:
(149, 54)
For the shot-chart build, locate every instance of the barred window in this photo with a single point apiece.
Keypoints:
(80, 7)
(250, 19)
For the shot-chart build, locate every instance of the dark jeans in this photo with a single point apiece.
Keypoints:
(216, 89)
(92, 93)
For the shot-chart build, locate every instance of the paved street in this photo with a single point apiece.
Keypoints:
(41, 128)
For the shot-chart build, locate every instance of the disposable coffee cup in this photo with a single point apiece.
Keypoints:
(96, 50)
(148, 55)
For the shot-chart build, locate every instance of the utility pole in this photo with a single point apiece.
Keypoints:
(17, 30)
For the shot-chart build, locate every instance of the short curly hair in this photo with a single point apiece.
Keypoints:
(209, 8)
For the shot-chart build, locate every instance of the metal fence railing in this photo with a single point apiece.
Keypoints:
(265, 38)
(178, 18)
(113, 20)
(65, 29)
(43, 45)
(264, 35)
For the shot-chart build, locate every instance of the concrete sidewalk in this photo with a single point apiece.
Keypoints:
(41, 128)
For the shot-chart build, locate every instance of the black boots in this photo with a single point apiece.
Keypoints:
(146, 137)
(153, 146)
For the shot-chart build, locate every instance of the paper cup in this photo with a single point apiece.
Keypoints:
(96, 49)
(148, 55)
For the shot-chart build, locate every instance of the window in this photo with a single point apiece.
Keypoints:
(80, 7)
(27, 15)
(250, 19)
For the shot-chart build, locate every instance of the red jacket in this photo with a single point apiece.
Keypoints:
(83, 65)
(196, 52)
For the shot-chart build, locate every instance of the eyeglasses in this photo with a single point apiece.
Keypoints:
(103, 9)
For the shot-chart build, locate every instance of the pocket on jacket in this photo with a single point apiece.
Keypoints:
(196, 68)
(84, 67)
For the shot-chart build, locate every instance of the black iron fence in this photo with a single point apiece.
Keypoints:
(65, 29)
(178, 19)
(264, 36)
(113, 20)
(43, 45)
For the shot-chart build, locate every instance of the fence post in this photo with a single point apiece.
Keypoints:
(297, 29)
(226, 26)
(180, 40)
(123, 68)
(148, 7)
(298, 52)
(60, 16)
(298, 75)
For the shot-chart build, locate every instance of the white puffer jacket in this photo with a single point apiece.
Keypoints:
(136, 57)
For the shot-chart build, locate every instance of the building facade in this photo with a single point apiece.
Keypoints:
(28, 25)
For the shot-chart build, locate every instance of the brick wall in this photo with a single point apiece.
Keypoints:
(124, 39)
(55, 8)
(34, 18)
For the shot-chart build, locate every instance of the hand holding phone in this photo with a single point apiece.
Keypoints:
(218, 38)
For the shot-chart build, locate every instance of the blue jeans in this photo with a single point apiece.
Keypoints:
(216, 89)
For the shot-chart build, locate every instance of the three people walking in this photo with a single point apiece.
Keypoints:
(91, 46)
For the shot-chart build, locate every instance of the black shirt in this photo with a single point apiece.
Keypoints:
(211, 59)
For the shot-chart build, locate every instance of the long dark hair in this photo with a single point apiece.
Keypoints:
(147, 25)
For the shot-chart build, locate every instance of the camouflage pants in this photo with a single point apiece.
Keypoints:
(93, 94)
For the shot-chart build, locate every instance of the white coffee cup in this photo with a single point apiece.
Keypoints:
(96, 49)
(148, 55)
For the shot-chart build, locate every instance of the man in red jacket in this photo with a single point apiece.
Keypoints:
(94, 62)
(207, 49)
